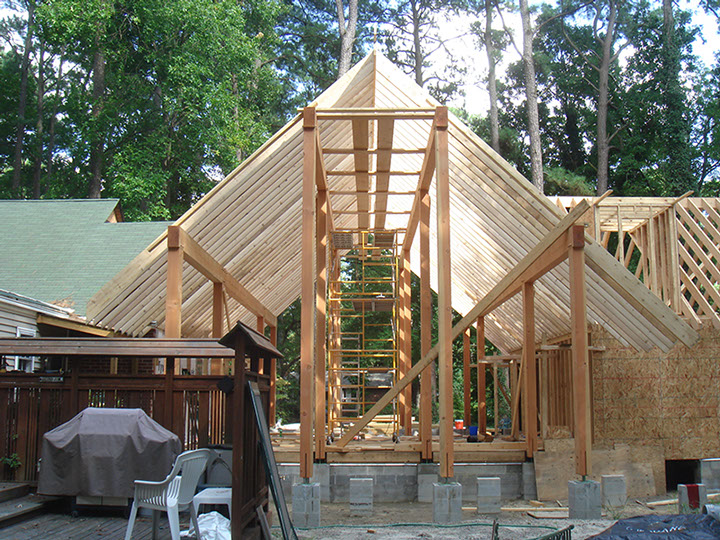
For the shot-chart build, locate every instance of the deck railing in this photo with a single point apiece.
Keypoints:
(32, 404)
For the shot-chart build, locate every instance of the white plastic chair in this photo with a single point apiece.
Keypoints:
(172, 494)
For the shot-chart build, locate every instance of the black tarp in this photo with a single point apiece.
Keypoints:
(670, 527)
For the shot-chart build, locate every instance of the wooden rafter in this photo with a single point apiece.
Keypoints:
(360, 134)
(386, 127)
(426, 174)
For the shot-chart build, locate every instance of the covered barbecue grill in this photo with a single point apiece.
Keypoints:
(101, 452)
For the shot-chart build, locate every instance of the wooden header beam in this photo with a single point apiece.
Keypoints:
(204, 263)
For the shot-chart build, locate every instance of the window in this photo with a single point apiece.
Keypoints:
(25, 363)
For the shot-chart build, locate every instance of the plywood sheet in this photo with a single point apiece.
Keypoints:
(642, 466)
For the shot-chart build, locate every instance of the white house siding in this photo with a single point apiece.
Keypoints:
(17, 320)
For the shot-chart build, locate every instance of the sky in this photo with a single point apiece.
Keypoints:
(476, 101)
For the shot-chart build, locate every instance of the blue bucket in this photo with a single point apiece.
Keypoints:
(473, 431)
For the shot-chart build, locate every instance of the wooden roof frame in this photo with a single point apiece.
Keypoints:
(250, 222)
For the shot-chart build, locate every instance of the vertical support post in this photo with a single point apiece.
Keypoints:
(261, 330)
(334, 394)
(425, 329)
(466, 378)
(321, 242)
(407, 320)
(217, 365)
(272, 409)
(652, 254)
(238, 456)
(74, 362)
(173, 300)
(442, 172)
(581, 363)
(529, 369)
(481, 380)
(405, 344)
(674, 262)
(496, 404)
(169, 390)
(307, 321)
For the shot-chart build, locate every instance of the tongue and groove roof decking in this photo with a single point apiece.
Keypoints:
(251, 223)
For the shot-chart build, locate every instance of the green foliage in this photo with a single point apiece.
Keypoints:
(12, 461)
(559, 181)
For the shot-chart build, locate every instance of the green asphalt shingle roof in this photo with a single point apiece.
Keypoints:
(64, 251)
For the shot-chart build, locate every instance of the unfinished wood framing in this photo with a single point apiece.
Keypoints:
(307, 316)
(581, 360)
(363, 158)
(321, 272)
(425, 326)
(481, 376)
(530, 371)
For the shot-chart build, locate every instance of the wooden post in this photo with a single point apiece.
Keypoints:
(405, 344)
(529, 369)
(173, 300)
(674, 262)
(466, 379)
(447, 452)
(169, 389)
(581, 364)
(272, 410)
(481, 382)
(496, 405)
(238, 455)
(307, 321)
(74, 390)
(425, 329)
(321, 239)
(217, 366)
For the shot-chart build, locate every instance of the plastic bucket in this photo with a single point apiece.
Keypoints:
(458, 424)
(712, 510)
(473, 431)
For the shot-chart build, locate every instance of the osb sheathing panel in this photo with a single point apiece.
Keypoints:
(653, 397)
(642, 465)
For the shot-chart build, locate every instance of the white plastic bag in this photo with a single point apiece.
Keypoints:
(213, 526)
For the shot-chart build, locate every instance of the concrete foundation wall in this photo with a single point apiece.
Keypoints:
(399, 482)
(671, 399)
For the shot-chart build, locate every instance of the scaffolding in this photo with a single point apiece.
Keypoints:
(363, 322)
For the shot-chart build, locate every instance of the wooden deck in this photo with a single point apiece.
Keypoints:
(57, 526)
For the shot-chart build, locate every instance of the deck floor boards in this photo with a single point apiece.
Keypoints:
(65, 527)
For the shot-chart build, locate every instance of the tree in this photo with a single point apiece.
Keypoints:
(414, 41)
(601, 57)
(22, 101)
(492, 41)
(347, 34)
(533, 119)
(677, 128)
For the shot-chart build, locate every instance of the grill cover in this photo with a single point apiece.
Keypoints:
(101, 452)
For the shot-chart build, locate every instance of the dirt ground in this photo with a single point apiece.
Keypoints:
(405, 521)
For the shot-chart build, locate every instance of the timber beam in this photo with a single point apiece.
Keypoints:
(181, 242)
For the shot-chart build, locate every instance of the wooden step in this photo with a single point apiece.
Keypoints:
(22, 508)
(13, 490)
